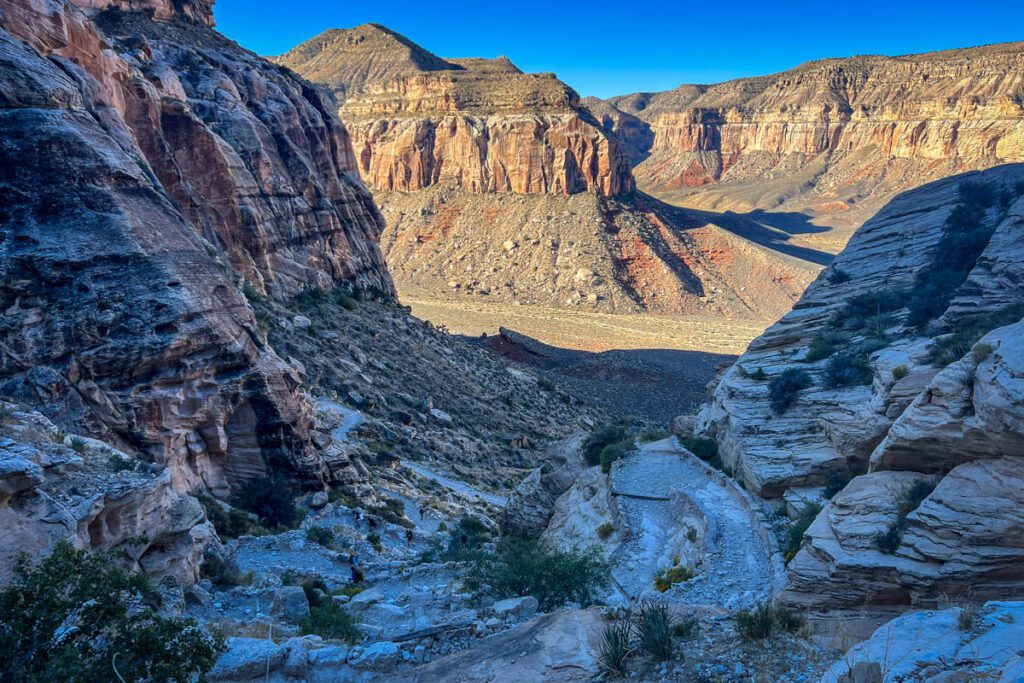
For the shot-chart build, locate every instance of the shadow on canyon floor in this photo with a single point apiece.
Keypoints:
(653, 385)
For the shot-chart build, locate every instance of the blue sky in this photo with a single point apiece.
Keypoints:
(608, 48)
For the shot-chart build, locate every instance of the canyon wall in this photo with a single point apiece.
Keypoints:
(149, 169)
(834, 138)
(924, 416)
(417, 120)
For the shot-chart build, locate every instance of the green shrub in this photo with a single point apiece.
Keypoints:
(686, 628)
(228, 523)
(605, 531)
(836, 482)
(615, 451)
(759, 374)
(653, 435)
(824, 344)
(654, 626)
(968, 331)
(838, 277)
(79, 618)
(222, 574)
(374, 539)
(856, 313)
(467, 539)
(330, 620)
(271, 499)
(668, 578)
(965, 235)
(528, 567)
(907, 500)
(967, 616)
(784, 389)
(119, 464)
(900, 371)
(79, 445)
(797, 529)
(848, 369)
(762, 622)
(320, 535)
(598, 440)
(703, 448)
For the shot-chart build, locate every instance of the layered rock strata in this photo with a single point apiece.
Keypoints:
(144, 179)
(828, 138)
(931, 411)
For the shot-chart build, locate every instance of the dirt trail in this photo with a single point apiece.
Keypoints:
(738, 569)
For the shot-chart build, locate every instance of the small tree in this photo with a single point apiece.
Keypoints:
(78, 618)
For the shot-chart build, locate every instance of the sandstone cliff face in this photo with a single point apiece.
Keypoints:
(132, 176)
(920, 418)
(199, 11)
(417, 120)
(833, 137)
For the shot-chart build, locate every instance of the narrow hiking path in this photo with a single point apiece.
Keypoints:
(351, 418)
(456, 485)
(738, 568)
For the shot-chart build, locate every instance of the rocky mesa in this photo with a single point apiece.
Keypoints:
(833, 139)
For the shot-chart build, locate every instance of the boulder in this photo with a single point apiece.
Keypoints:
(380, 657)
(246, 658)
(516, 608)
(290, 603)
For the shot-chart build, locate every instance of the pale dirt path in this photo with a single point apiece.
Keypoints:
(738, 569)
(456, 485)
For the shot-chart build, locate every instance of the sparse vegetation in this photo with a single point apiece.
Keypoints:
(79, 445)
(230, 523)
(616, 646)
(766, 619)
(824, 344)
(616, 451)
(848, 369)
(861, 309)
(759, 375)
(836, 482)
(373, 538)
(907, 500)
(78, 617)
(271, 499)
(797, 529)
(601, 438)
(784, 389)
(668, 578)
(467, 540)
(654, 628)
(900, 371)
(328, 619)
(967, 617)
(981, 352)
(955, 345)
(320, 535)
(838, 277)
(529, 567)
(965, 235)
(703, 448)
(605, 531)
(222, 574)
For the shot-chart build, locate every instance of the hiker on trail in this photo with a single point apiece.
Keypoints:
(355, 573)
(372, 521)
(408, 536)
(358, 514)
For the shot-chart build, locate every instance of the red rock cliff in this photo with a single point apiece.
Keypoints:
(141, 179)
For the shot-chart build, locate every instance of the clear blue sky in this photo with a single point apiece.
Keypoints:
(609, 48)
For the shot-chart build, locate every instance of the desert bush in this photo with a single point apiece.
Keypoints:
(320, 535)
(981, 352)
(759, 375)
(222, 574)
(703, 448)
(685, 628)
(615, 451)
(79, 445)
(824, 344)
(907, 500)
(271, 499)
(78, 617)
(328, 619)
(784, 389)
(230, 523)
(468, 537)
(529, 567)
(797, 529)
(848, 369)
(374, 539)
(965, 235)
(668, 578)
(838, 277)
(597, 440)
(653, 435)
(968, 331)
(967, 617)
(836, 482)
(605, 531)
(764, 620)
(654, 627)
(856, 313)
(900, 371)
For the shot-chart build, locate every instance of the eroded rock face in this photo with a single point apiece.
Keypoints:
(957, 428)
(532, 503)
(131, 177)
(935, 646)
(51, 492)
(417, 120)
(862, 128)
(199, 11)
